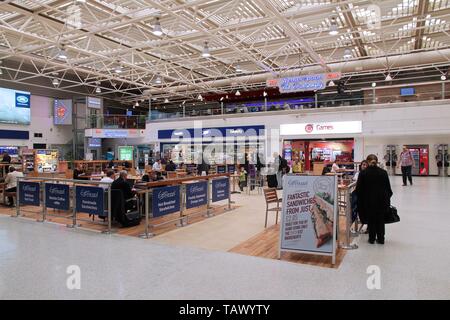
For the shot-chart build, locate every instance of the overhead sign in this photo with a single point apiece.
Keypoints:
(309, 214)
(29, 193)
(220, 189)
(95, 103)
(62, 112)
(212, 132)
(303, 83)
(114, 133)
(89, 200)
(320, 128)
(231, 168)
(166, 200)
(57, 196)
(126, 153)
(196, 194)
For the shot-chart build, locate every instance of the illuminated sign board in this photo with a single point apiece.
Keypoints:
(321, 128)
(310, 82)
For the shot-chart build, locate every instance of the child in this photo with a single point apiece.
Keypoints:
(242, 179)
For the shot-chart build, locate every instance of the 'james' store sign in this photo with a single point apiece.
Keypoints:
(321, 128)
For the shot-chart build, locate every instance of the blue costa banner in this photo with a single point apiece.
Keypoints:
(57, 196)
(231, 168)
(89, 199)
(220, 189)
(221, 169)
(165, 201)
(196, 194)
(29, 193)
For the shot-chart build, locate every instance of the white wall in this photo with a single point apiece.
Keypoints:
(41, 122)
(390, 124)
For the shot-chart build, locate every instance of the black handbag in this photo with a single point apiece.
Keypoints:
(391, 215)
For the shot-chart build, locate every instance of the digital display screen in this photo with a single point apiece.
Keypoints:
(15, 106)
(62, 112)
(126, 153)
(12, 151)
(407, 91)
(94, 142)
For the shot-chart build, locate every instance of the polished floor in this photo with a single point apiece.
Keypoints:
(414, 262)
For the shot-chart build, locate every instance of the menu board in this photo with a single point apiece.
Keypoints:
(126, 153)
(46, 160)
(309, 214)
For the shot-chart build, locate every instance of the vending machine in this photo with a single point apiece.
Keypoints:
(420, 154)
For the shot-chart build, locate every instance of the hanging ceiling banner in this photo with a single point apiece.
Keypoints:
(309, 82)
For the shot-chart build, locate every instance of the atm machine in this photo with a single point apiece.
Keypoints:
(442, 159)
(391, 158)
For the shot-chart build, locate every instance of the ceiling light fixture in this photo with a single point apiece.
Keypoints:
(166, 100)
(118, 69)
(238, 93)
(55, 82)
(200, 97)
(388, 77)
(158, 80)
(348, 54)
(221, 98)
(238, 68)
(374, 84)
(98, 90)
(1, 69)
(333, 27)
(62, 54)
(443, 77)
(264, 94)
(205, 52)
(331, 84)
(157, 31)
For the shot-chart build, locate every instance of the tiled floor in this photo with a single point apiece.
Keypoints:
(414, 262)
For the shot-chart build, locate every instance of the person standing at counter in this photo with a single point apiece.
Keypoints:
(6, 157)
(11, 182)
(407, 163)
(374, 193)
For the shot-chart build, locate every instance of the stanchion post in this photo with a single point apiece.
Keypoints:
(348, 219)
(44, 205)
(229, 194)
(17, 199)
(74, 209)
(109, 209)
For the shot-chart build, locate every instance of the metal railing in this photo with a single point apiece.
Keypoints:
(367, 97)
(116, 122)
(345, 206)
(42, 181)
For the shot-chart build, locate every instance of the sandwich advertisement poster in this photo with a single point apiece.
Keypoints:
(309, 214)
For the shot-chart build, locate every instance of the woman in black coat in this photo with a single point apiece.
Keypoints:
(374, 198)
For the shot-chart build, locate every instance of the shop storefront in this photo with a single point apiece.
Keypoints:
(225, 145)
(315, 145)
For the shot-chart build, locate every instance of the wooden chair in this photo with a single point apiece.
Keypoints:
(271, 196)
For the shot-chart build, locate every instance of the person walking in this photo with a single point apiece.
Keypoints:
(406, 163)
(374, 193)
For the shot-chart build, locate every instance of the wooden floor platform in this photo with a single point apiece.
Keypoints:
(266, 245)
(86, 222)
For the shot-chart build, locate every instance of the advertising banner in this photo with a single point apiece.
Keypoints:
(220, 189)
(309, 214)
(89, 200)
(57, 196)
(314, 128)
(165, 201)
(126, 153)
(231, 168)
(47, 160)
(15, 106)
(196, 194)
(221, 169)
(62, 112)
(29, 193)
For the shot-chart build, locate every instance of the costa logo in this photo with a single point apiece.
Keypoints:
(89, 194)
(309, 128)
(22, 99)
(165, 195)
